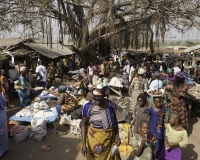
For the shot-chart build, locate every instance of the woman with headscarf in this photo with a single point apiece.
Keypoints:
(138, 85)
(103, 132)
(169, 77)
(4, 144)
(23, 89)
(178, 98)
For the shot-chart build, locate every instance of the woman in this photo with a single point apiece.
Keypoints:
(103, 130)
(169, 77)
(4, 144)
(134, 73)
(178, 98)
(4, 86)
(23, 90)
(90, 73)
(66, 102)
(96, 72)
(138, 85)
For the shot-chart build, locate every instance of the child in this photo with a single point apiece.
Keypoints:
(143, 142)
(139, 112)
(176, 138)
(156, 118)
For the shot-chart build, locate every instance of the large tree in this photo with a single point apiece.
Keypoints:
(99, 25)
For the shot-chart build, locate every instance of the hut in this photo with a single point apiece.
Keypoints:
(27, 51)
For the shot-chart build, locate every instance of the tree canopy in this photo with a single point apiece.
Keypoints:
(102, 24)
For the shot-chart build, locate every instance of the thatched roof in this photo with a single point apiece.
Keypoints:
(56, 51)
(166, 51)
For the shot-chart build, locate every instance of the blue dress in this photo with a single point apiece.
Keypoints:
(23, 94)
(157, 128)
(4, 144)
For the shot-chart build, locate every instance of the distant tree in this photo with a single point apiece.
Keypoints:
(178, 43)
(190, 43)
(172, 43)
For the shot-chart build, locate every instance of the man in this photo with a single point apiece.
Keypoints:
(65, 64)
(60, 69)
(41, 74)
(157, 83)
(13, 76)
(102, 69)
(115, 56)
(117, 64)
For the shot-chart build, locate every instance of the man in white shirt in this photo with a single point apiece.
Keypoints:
(41, 74)
(157, 83)
(115, 56)
(13, 74)
(127, 67)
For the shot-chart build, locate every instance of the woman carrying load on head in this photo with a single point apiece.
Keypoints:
(138, 85)
(177, 95)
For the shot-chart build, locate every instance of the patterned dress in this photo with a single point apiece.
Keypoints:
(138, 115)
(157, 128)
(51, 76)
(179, 105)
(23, 94)
(137, 86)
(101, 134)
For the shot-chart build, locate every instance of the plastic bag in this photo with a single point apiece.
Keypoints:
(38, 129)
(114, 150)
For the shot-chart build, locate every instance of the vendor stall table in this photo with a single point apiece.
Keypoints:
(48, 96)
(49, 119)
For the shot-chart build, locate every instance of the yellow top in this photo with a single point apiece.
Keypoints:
(176, 136)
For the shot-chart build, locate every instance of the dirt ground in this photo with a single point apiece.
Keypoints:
(63, 147)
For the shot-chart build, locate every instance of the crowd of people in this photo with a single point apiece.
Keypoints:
(160, 123)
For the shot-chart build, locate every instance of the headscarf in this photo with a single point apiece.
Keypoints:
(170, 70)
(141, 71)
(62, 89)
(99, 90)
(181, 75)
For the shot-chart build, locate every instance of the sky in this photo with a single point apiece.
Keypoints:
(173, 35)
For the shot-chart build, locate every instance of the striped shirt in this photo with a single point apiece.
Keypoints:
(100, 118)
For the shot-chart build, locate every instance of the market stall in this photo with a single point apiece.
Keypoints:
(194, 98)
(36, 110)
(116, 85)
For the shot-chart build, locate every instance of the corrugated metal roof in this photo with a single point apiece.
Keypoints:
(11, 42)
(54, 52)
(192, 48)
(177, 47)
